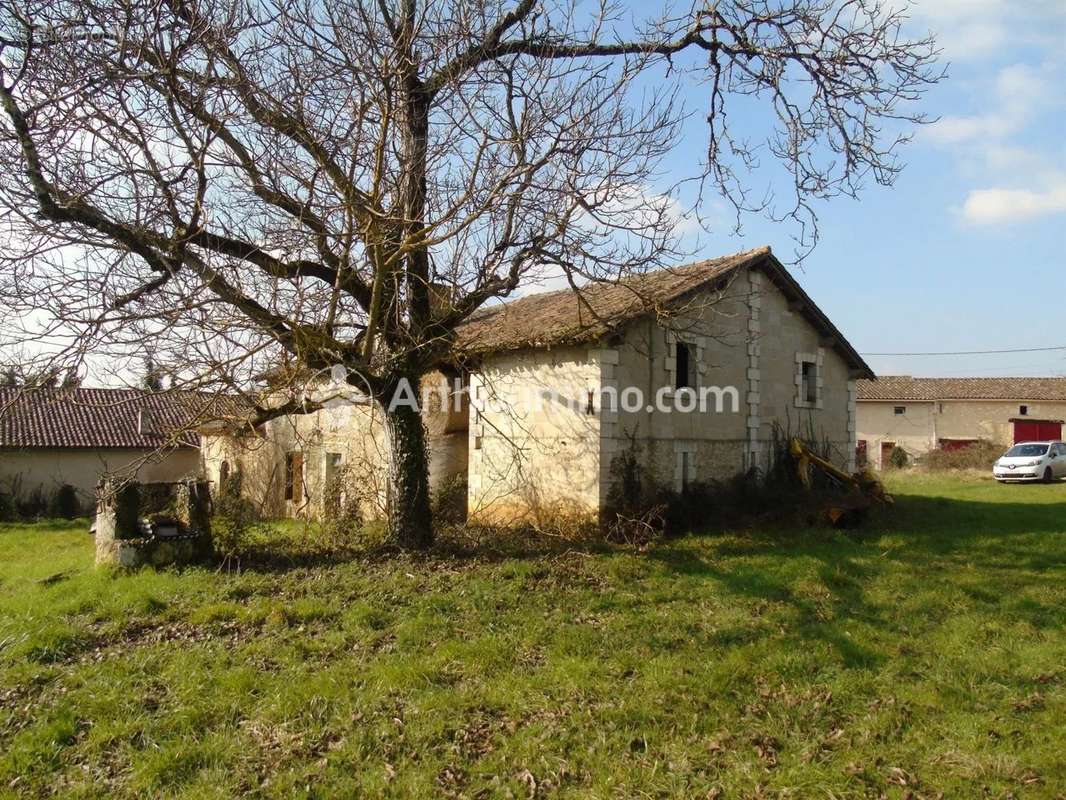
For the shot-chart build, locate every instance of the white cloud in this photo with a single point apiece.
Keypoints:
(955, 129)
(634, 205)
(1018, 93)
(970, 30)
(998, 205)
(1001, 146)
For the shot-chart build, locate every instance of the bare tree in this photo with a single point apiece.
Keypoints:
(345, 181)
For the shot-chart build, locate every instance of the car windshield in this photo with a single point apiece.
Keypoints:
(1030, 450)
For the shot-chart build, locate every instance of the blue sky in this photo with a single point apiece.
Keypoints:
(968, 250)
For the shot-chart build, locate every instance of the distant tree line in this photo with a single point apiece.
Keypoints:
(152, 379)
(14, 377)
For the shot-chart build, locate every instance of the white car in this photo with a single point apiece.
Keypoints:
(1031, 461)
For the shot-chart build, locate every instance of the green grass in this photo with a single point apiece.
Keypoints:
(925, 654)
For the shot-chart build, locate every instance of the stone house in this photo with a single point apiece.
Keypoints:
(920, 414)
(690, 367)
(289, 462)
(52, 437)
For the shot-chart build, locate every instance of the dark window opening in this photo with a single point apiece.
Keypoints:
(686, 470)
(899, 411)
(1023, 411)
(809, 381)
(223, 476)
(590, 403)
(294, 476)
(477, 442)
(683, 366)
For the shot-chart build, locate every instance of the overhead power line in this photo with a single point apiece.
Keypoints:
(974, 352)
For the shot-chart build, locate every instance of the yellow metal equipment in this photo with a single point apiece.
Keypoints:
(848, 510)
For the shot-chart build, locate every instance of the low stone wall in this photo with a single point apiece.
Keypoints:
(156, 552)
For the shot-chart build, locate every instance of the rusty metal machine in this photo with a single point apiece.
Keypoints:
(847, 511)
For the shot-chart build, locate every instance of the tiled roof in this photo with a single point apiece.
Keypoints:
(102, 418)
(904, 387)
(565, 317)
(555, 318)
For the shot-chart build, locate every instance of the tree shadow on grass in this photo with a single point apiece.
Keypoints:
(997, 543)
(841, 575)
(456, 547)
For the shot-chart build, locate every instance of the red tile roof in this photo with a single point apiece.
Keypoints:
(904, 387)
(102, 418)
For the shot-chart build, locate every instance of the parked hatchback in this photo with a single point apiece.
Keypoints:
(1031, 461)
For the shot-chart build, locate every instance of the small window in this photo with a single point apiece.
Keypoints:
(1023, 411)
(899, 411)
(590, 403)
(686, 470)
(223, 476)
(477, 442)
(809, 382)
(683, 364)
(294, 476)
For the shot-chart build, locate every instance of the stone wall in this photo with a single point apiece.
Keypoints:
(532, 458)
(747, 336)
(351, 435)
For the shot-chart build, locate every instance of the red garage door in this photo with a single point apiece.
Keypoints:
(1035, 430)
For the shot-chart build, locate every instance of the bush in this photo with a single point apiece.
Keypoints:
(65, 503)
(342, 509)
(235, 520)
(32, 506)
(898, 458)
(978, 455)
(635, 509)
(449, 502)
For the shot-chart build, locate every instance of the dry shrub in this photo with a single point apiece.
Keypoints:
(635, 509)
(978, 455)
(449, 502)
(638, 510)
(235, 520)
(342, 510)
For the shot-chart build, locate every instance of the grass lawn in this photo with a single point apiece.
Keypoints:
(923, 655)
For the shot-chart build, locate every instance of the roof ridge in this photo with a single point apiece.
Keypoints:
(970, 378)
(621, 281)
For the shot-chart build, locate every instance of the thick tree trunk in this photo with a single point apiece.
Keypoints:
(409, 512)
